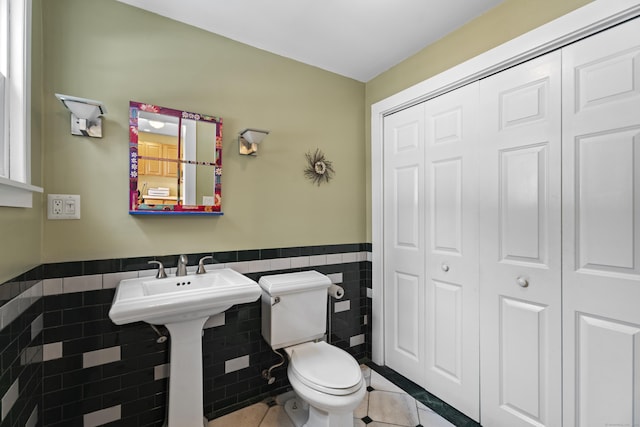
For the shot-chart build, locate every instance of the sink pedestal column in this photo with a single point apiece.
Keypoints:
(185, 374)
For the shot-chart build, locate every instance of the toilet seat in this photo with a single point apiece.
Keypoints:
(325, 368)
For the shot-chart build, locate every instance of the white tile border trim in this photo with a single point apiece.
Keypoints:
(52, 351)
(103, 416)
(18, 305)
(336, 278)
(37, 326)
(161, 371)
(81, 283)
(341, 306)
(33, 418)
(300, 262)
(215, 320)
(236, 364)
(110, 280)
(52, 286)
(100, 357)
(356, 340)
(10, 398)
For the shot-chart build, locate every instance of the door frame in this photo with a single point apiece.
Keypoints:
(583, 22)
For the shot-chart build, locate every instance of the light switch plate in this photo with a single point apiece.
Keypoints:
(63, 206)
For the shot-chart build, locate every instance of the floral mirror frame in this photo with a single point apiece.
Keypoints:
(137, 205)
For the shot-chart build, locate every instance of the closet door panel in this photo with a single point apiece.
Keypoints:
(601, 228)
(405, 291)
(446, 190)
(605, 185)
(447, 330)
(406, 188)
(520, 289)
(452, 359)
(523, 210)
(404, 251)
(606, 343)
(522, 328)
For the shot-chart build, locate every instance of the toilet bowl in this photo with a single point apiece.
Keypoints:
(329, 380)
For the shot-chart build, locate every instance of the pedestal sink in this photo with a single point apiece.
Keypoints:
(183, 304)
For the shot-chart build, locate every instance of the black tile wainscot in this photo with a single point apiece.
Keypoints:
(21, 331)
(64, 363)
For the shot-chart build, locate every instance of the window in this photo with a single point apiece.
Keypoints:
(4, 72)
(15, 58)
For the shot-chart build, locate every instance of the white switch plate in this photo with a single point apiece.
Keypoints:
(63, 206)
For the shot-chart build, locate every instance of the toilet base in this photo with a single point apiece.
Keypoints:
(319, 418)
(298, 410)
(205, 422)
(304, 415)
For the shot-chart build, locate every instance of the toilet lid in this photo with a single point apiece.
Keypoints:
(325, 368)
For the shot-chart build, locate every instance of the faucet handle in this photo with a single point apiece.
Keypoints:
(161, 274)
(201, 269)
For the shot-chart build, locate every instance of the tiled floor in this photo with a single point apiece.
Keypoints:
(385, 405)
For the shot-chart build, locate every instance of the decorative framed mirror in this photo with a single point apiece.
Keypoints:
(175, 161)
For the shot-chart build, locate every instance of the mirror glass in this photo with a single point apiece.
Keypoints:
(175, 161)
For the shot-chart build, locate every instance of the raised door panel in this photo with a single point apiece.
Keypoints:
(606, 180)
(405, 197)
(523, 198)
(170, 168)
(520, 272)
(524, 331)
(404, 252)
(142, 153)
(154, 153)
(601, 228)
(405, 293)
(452, 364)
(447, 331)
(607, 365)
(446, 199)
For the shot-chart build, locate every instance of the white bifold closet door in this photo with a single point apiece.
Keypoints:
(430, 251)
(520, 245)
(452, 352)
(601, 227)
(404, 242)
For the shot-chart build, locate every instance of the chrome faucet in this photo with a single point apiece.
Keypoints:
(182, 265)
(201, 269)
(161, 274)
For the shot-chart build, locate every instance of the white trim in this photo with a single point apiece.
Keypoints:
(583, 22)
(19, 91)
(4, 87)
(16, 190)
(17, 194)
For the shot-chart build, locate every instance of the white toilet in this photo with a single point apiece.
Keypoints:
(326, 378)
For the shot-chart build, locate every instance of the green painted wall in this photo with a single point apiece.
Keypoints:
(106, 50)
(21, 229)
(506, 21)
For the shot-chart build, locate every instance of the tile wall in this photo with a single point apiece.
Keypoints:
(21, 333)
(64, 363)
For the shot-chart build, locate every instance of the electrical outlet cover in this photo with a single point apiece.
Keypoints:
(56, 207)
(63, 206)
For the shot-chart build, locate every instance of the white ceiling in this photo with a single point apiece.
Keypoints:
(354, 38)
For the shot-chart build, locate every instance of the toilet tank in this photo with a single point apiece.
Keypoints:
(294, 307)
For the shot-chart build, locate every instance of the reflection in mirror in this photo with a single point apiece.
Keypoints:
(198, 153)
(175, 161)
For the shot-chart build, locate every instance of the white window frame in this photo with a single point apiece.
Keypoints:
(15, 130)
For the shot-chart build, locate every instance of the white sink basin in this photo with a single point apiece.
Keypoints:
(176, 299)
(183, 304)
